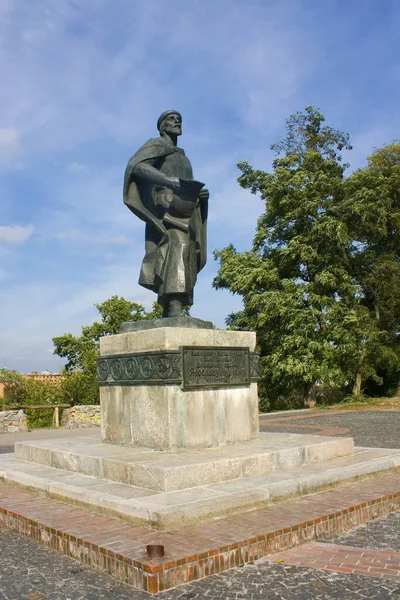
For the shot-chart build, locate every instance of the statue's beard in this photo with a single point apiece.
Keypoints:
(174, 131)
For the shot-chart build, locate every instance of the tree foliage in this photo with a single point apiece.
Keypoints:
(305, 282)
(26, 391)
(372, 214)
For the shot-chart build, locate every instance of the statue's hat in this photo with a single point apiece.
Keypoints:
(166, 114)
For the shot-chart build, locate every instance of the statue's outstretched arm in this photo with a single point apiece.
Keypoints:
(145, 170)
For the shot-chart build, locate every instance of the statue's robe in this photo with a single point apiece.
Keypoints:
(173, 259)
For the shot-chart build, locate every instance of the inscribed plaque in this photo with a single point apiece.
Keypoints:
(204, 366)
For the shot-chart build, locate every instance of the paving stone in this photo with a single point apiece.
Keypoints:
(369, 428)
(382, 534)
(31, 572)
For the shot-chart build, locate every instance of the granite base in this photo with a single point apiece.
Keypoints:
(144, 401)
(145, 487)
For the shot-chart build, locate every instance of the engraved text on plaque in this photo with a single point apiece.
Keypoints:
(215, 367)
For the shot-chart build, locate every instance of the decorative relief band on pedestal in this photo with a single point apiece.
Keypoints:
(140, 369)
(166, 367)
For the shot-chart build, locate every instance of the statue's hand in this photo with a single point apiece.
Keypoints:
(173, 183)
(204, 194)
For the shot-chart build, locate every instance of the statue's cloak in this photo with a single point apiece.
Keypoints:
(141, 198)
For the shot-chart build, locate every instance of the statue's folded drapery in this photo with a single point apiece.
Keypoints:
(175, 246)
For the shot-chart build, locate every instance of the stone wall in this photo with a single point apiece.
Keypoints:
(12, 421)
(81, 416)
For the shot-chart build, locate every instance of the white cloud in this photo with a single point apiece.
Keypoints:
(76, 167)
(15, 234)
(73, 86)
(87, 238)
(4, 275)
(10, 144)
(69, 235)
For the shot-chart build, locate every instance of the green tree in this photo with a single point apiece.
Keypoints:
(81, 351)
(26, 391)
(372, 214)
(297, 290)
(12, 383)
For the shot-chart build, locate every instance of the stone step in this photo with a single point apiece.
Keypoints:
(162, 471)
(165, 510)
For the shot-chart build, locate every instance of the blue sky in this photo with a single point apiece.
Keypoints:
(83, 83)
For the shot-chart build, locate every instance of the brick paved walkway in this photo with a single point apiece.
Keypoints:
(29, 571)
(118, 548)
(343, 559)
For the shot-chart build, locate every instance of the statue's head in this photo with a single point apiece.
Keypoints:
(170, 122)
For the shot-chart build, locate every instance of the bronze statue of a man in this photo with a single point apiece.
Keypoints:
(159, 188)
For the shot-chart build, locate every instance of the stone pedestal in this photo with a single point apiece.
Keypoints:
(146, 400)
(179, 441)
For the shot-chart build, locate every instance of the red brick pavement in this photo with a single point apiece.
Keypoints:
(287, 421)
(117, 547)
(343, 559)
